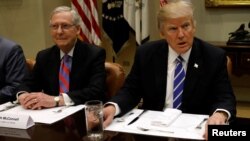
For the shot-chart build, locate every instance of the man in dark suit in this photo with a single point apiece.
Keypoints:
(86, 74)
(12, 69)
(207, 89)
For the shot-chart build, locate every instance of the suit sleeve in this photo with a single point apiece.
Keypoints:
(15, 70)
(129, 96)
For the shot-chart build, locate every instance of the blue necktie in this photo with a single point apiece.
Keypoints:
(179, 77)
(64, 74)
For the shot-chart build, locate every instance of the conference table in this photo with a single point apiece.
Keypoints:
(60, 132)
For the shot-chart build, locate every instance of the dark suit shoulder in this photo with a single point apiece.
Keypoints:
(9, 49)
(48, 57)
(87, 46)
(152, 47)
(49, 50)
(7, 42)
(8, 45)
(45, 53)
(89, 50)
(207, 46)
(208, 50)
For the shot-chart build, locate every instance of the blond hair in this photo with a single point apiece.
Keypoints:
(174, 9)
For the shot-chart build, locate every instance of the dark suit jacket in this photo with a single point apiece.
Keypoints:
(206, 88)
(87, 76)
(12, 69)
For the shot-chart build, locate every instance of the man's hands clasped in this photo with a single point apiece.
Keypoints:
(36, 100)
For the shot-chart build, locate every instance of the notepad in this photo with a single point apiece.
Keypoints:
(167, 117)
(157, 120)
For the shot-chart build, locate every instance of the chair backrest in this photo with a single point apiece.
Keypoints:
(115, 78)
(30, 63)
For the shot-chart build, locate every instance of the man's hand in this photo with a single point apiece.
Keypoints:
(36, 100)
(22, 97)
(218, 118)
(108, 115)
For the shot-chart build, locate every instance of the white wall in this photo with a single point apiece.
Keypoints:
(21, 21)
(26, 22)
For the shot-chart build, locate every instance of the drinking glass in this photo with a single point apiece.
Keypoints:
(94, 119)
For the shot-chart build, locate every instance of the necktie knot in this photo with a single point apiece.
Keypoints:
(66, 58)
(67, 62)
(179, 59)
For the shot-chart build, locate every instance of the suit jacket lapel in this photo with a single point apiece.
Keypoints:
(78, 57)
(195, 64)
(54, 65)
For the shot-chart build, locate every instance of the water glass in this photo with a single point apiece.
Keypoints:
(94, 120)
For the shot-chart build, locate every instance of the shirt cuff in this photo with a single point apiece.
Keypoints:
(67, 99)
(17, 95)
(117, 108)
(226, 111)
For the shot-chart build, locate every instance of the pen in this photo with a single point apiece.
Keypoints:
(9, 107)
(200, 124)
(135, 119)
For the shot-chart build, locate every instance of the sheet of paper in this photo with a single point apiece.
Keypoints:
(182, 127)
(47, 116)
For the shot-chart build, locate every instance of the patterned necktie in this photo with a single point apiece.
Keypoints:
(64, 74)
(179, 77)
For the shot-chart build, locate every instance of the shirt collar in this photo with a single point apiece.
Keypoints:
(172, 55)
(70, 53)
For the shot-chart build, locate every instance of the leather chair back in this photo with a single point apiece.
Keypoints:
(30, 64)
(229, 66)
(115, 78)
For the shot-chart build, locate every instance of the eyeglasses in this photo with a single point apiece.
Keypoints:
(62, 26)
